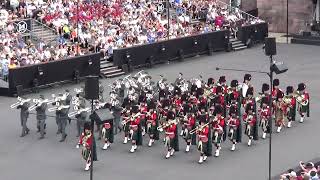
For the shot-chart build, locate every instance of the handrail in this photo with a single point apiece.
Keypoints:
(43, 24)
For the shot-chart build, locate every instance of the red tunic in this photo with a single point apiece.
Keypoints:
(88, 142)
(203, 135)
(191, 122)
(152, 118)
(234, 122)
(252, 121)
(265, 113)
(171, 131)
(143, 110)
(134, 124)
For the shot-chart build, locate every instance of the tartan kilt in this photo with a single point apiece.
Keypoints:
(86, 153)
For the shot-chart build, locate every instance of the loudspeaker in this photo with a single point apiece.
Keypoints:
(19, 90)
(101, 116)
(270, 46)
(279, 67)
(91, 88)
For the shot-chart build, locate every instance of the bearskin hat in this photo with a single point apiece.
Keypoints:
(276, 82)
(289, 90)
(142, 98)
(135, 109)
(170, 115)
(234, 83)
(247, 77)
(301, 87)
(265, 87)
(218, 109)
(165, 103)
(280, 94)
(249, 107)
(187, 108)
(265, 100)
(193, 88)
(87, 126)
(202, 106)
(222, 79)
(233, 110)
(151, 105)
(177, 90)
(249, 91)
(232, 96)
(210, 81)
(219, 89)
(203, 118)
(200, 91)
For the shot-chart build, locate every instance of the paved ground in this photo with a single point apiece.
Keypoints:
(32, 159)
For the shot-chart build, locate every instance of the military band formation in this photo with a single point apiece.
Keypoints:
(204, 114)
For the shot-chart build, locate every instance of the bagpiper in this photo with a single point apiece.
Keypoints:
(280, 110)
(275, 89)
(135, 129)
(41, 108)
(234, 125)
(88, 146)
(303, 99)
(250, 121)
(265, 115)
(291, 106)
(218, 126)
(152, 124)
(188, 123)
(204, 140)
(171, 135)
(107, 133)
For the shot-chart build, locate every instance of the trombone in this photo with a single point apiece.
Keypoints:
(20, 101)
(130, 118)
(79, 112)
(165, 125)
(199, 128)
(38, 102)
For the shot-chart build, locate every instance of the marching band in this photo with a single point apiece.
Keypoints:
(206, 114)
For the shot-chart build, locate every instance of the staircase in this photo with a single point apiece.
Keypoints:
(109, 70)
(43, 32)
(237, 45)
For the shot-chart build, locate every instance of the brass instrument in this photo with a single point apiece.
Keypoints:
(199, 128)
(79, 111)
(300, 98)
(38, 102)
(259, 98)
(169, 123)
(130, 118)
(58, 108)
(20, 102)
(287, 99)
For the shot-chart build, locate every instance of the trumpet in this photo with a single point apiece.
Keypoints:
(199, 128)
(38, 102)
(300, 98)
(169, 123)
(58, 108)
(79, 112)
(20, 101)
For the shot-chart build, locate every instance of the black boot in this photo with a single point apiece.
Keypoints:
(63, 138)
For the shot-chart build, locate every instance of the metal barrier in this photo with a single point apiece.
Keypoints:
(56, 71)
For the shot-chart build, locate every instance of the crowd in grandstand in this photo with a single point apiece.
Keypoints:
(308, 172)
(104, 25)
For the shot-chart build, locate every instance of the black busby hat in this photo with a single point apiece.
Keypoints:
(265, 100)
(301, 87)
(289, 90)
(203, 118)
(170, 115)
(249, 91)
(247, 77)
(187, 108)
(202, 106)
(87, 126)
(135, 109)
(280, 94)
(265, 87)
(222, 79)
(200, 91)
(210, 81)
(276, 82)
(234, 83)
(142, 98)
(218, 109)
(232, 96)
(67, 90)
(249, 107)
(177, 90)
(233, 110)
(219, 89)
(41, 96)
(152, 105)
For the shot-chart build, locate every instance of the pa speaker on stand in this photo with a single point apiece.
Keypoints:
(270, 46)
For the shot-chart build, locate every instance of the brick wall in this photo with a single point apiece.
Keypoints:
(274, 12)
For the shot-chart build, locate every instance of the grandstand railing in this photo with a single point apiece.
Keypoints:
(43, 26)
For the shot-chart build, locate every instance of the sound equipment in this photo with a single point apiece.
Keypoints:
(91, 88)
(270, 46)
(279, 67)
(101, 116)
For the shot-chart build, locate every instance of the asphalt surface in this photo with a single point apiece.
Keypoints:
(32, 159)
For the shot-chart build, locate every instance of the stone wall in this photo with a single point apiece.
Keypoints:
(248, 5)
(274, 12)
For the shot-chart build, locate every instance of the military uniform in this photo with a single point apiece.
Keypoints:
(250, 121)
(291, 106)
(265, 115)
(81, 119)
(24, 114)
(62, 115)
(234, 124)
(204, 140)
(303, 99)
(41, 117)
(107, 133)
(135, 129)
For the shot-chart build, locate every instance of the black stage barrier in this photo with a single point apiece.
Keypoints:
(255, 32)
(52, 72)
(172, 49)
